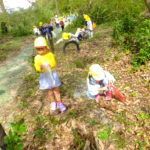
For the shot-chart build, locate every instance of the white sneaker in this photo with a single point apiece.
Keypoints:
(53, 106)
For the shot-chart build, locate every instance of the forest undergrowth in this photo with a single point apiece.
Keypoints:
(87, 125)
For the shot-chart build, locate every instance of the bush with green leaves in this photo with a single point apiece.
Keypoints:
(142, 42)
(132, 32)
(13, 140)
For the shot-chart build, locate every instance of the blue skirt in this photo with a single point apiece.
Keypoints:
(49, 80)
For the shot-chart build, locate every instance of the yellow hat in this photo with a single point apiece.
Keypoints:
(40, 23)
(40, 42)
(60, 19)
(65, 36)
(86, 17)
(96, 72)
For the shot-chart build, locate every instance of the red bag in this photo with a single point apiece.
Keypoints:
(117, 93)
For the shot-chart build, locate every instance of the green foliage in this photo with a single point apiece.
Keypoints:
(104, 134)
(78, 140)
(117, 57)
(100, 14)
(120, 141)
(144, 116)
(93, 122)
(77, 23)
(39, 132)
(132, 32)
(121, 117)
(73, 113)
(79, 63)
(13, 139)
(141, 144)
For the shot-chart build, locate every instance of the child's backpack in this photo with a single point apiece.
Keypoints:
(94, 25)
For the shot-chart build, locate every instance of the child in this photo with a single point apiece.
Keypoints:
(88, 24)
(68, 38)
(98, 82)
(61, 22)
(45, 63)
(36, 31)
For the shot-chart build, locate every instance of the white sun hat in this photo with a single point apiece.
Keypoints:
(97, 72)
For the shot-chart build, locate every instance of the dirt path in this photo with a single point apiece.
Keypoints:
(11, 74)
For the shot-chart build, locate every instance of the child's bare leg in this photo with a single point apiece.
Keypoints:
(60, 105)
(57, 94)
(51, 95)
(53, 105)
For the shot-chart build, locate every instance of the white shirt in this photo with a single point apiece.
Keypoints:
(93, 87)
(89, 25)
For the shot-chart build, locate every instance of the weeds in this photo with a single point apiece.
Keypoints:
(79, 63)
(92, 121)
(117, 57)
(40, 133)
(104, 134)
(73, 113)
(131, 35)
(13, 139)
(119, 139)
(79, 142)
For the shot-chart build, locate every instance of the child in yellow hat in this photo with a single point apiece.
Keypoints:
(45, 63)
(89, 25)
(98, 81)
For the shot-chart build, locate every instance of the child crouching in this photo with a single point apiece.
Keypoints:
(45, 63)
(98, 81)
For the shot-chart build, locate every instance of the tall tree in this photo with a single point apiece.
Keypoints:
(147, 2)
(56, 4)
(2, 6)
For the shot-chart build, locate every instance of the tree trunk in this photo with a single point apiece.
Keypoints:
(2, 135)
(56, 4)
(147, 3)
(2, 6)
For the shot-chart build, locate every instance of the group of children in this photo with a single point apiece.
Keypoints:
(98, 80)
(59, 22)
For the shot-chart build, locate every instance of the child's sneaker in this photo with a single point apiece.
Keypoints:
(108, 95)
(53, 106)
(61, 107)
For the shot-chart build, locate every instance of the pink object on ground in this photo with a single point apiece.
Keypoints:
(108, 95)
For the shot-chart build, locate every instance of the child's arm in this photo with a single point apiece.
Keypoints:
(103, 88)
(37, 64)
(60, 40)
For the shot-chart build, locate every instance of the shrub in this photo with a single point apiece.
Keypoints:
(133, 33)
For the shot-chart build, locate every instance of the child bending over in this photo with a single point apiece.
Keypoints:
(98, 81)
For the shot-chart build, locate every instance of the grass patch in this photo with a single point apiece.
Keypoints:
(119, 139)
(8, 45)
(104, 134)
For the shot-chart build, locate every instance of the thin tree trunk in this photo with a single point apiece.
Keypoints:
(2, 135)
(56, 4)
(147, 3)
(2, 6)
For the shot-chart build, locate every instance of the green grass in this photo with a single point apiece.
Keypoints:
(119, 140)
(8, 45)
(104, 134)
